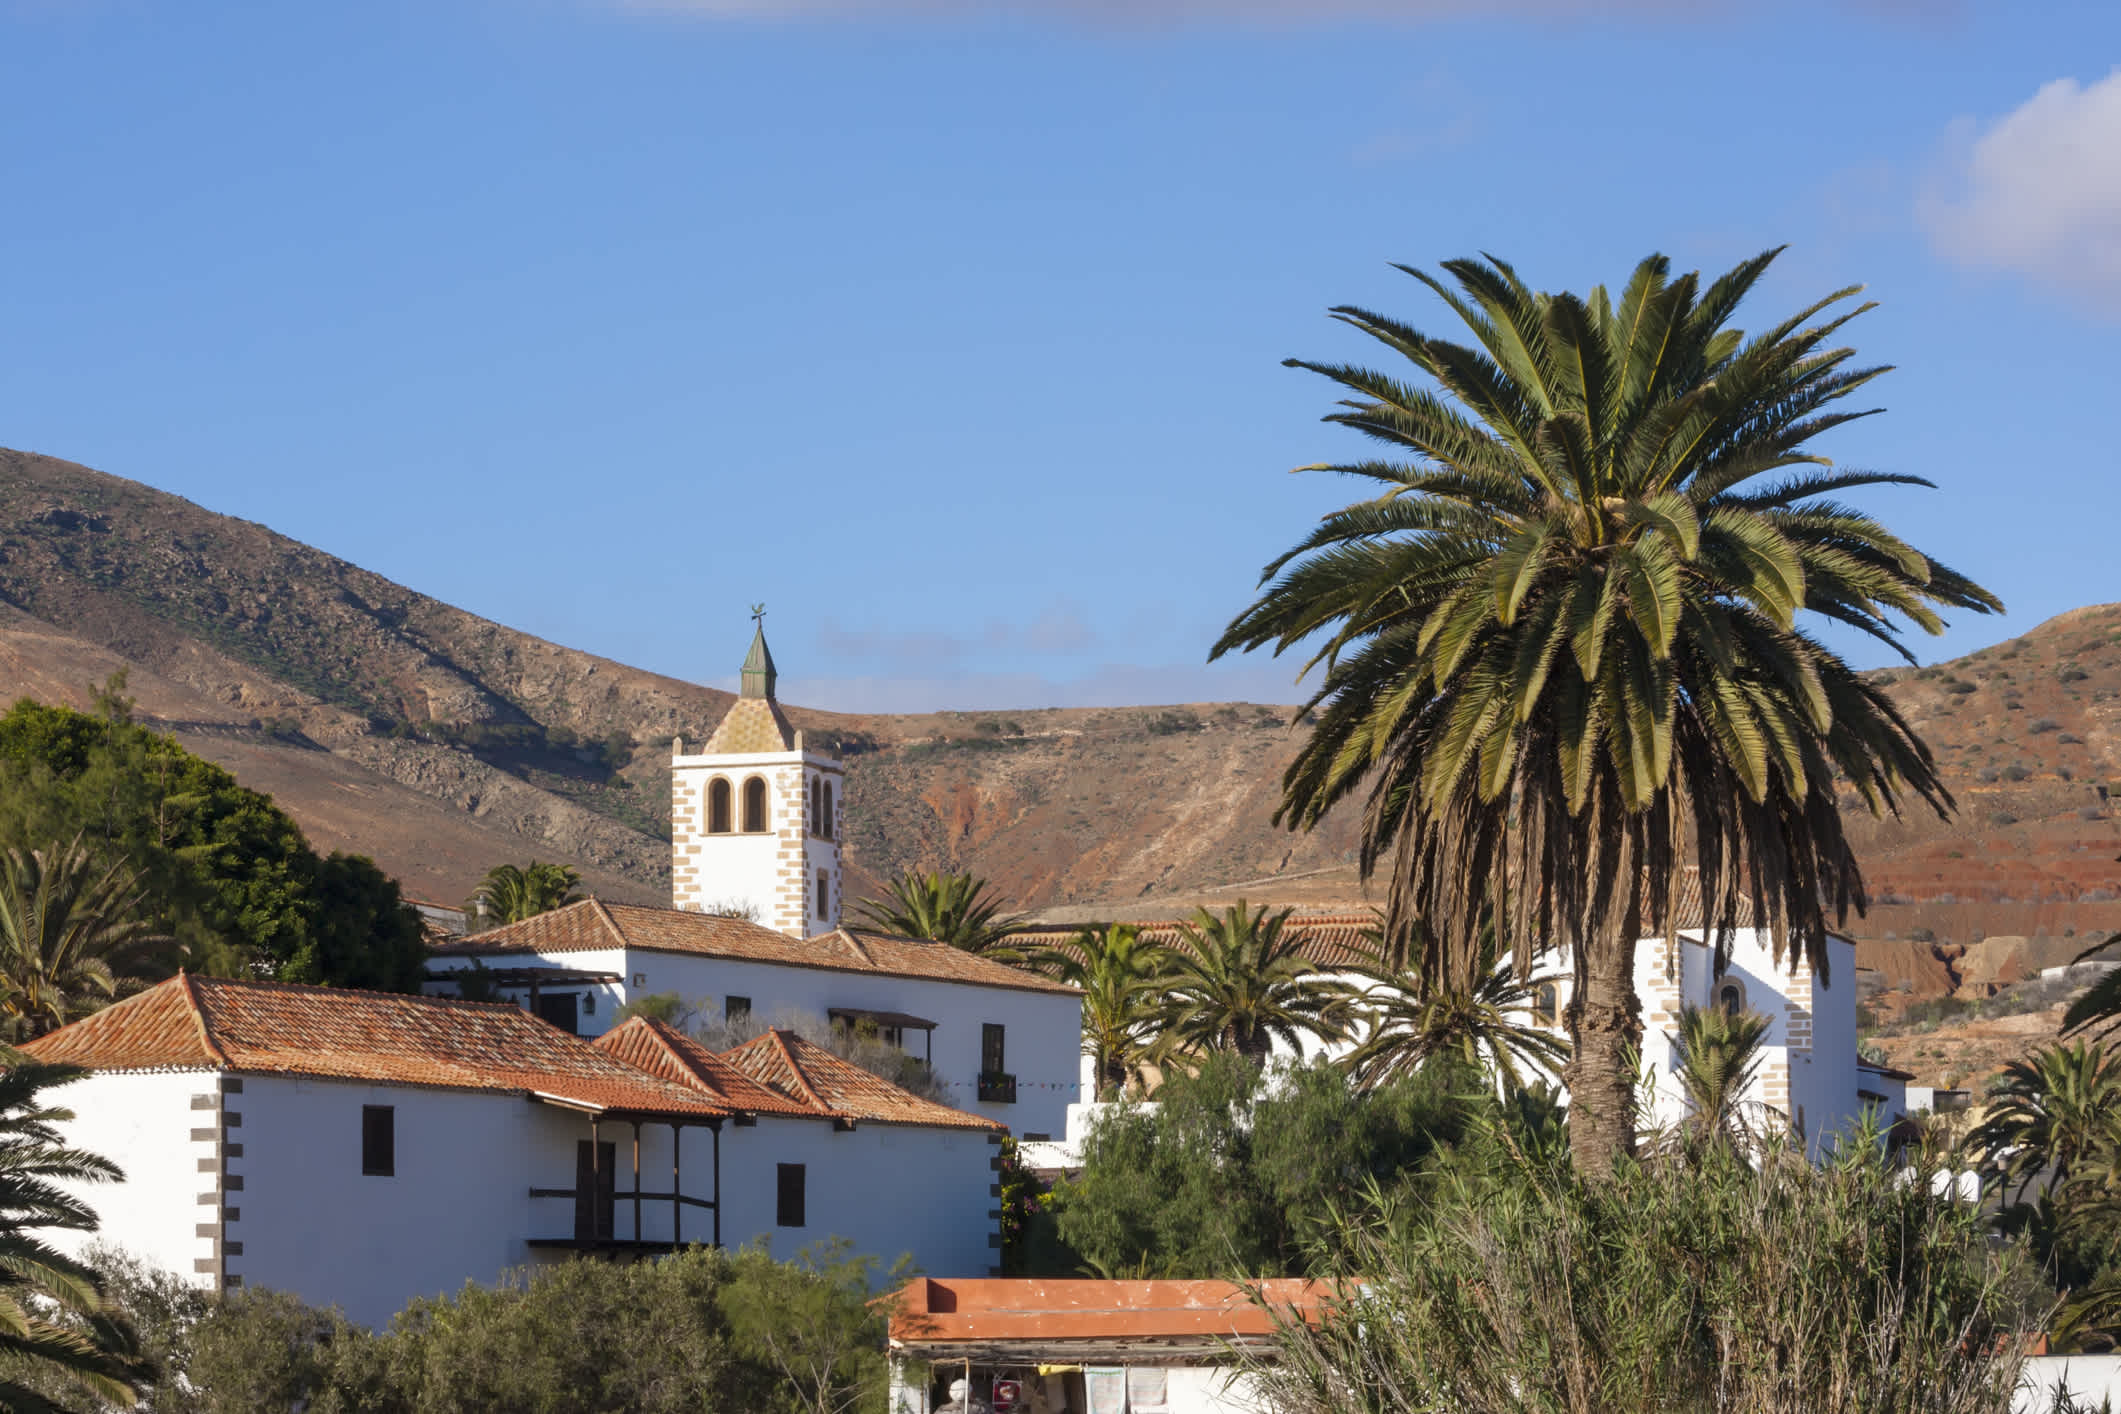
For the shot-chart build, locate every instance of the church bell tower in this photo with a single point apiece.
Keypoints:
(755, 819)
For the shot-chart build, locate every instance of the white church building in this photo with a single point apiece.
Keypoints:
(362, 1149)
(754, 927)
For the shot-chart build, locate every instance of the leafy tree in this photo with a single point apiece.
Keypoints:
(1239, 982)
(1476, 1017)
(1232, 1174)
(61, 1344)
(1719, 1054)
(73, 934)
(510, 894)
(1561, 648)
(225, 871)
(810, 1321)
(1121, 977)
(947, 908)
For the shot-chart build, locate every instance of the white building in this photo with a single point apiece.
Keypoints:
(1809, 1070)
(756, 821)
(363, 1149)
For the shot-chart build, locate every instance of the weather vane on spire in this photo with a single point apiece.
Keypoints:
(758, 614)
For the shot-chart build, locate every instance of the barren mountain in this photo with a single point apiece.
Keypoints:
(440, 742)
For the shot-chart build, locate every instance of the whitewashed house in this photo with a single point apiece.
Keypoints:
(362, 1149)
(1809, 1069)
(756, 823)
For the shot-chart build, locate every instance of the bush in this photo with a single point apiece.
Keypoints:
(1958, 687)
(703, 1329)
(2016, 773)
(1702, 1284)
(2041, 725)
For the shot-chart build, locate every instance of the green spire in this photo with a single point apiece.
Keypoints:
(759, 673)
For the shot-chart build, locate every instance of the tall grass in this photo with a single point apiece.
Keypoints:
(1704, 1282)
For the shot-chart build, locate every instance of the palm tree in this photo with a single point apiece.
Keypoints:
(947, 908)
(74, 933)
(1240, 982)
(56, 1332)
(1480, 1020)
(2053, 1112)
(1560, 645)
(1719, 1054)
(1120, 974)
(509, 895)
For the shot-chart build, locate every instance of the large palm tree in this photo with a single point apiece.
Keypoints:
(2052, 1113)
(1121, 977)
(510, 894)
(947, 908)
(1560, 644)
(74, 932)
(1239, 982)
(57, 1334)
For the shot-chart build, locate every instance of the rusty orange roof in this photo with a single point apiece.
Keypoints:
(596, 925)
(807, 1073)
(335, 1033)
(1057, 1313)
(665, 1052)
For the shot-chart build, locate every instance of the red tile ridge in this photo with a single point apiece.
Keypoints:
(596, 906)
(855, 943)
(795, 1068)
(198, 1017)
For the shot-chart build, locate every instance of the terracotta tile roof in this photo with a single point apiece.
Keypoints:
(753, 724)
(1041, 1311)
(808, 1073)
(669, 1054)
(278, 1028)
(593, 924)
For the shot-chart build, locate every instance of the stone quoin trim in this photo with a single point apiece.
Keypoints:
(212, 1149)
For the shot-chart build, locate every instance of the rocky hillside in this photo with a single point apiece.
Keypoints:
(441, 742)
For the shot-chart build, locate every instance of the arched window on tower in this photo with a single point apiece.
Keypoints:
(718, 806)
(1546, 1004)
(755, 806)
(817, 820)
(824, 819)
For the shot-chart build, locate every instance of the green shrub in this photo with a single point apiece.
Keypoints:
(1702, 1284)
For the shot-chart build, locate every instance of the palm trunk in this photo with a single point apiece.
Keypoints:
(1605, 1025)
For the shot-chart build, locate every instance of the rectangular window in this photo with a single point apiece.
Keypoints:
(821, 894)
(992, 1058)
(734, 1007)
(379, 1140)
(788, 1200)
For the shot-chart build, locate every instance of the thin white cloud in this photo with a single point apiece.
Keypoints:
(2038, 192)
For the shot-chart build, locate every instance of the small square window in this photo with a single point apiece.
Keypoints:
(734, 1007)
(788, 1198)
(640, 979)
(379, 1141)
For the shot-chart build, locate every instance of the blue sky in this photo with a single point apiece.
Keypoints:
(953, 331)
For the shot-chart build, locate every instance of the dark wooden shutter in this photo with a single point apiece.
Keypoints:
(593, 1187)
(788, 1199)
(379, 1141)
(992, 1059)
(558, 1008)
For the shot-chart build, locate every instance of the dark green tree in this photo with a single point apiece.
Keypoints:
(74, 933)
(1238, 981)
(1561, 648)
(223, 869)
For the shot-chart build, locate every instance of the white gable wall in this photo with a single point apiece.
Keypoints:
(457, 1209)
(1042, 1030)
(144, 1123)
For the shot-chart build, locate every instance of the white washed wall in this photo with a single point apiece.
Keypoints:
(143, 1123)
(890, 1190)
(458, 1208)
(1043, 1039)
